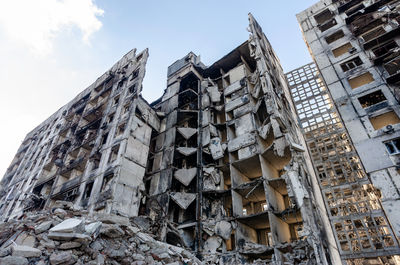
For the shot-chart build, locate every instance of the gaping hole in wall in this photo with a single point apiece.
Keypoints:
(187, 119)
(88, 190)
(360, 80)
(351, 64)
(372, 99)
(334, 36)
(324, 16)
(217, 205)
(188, 100)
(190, 81)
(342, 49)
(383, 120)
(327, 25)
(113, 154)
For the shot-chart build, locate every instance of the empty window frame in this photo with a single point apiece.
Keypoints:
(380, 121)
(327, 25)
(351, 64)
(361, 80)
(335, 36)
(88, 190)
(345, 48)
(324, 16)
(114, 154)
(393, 146)
(372, 99)
(116, 100)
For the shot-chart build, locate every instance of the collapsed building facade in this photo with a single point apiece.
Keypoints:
(350, 118)
(219, 162)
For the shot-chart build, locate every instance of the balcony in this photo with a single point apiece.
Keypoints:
(66, 186)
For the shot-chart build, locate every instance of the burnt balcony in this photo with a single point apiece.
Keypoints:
(382, 38)
(78, 164)
(69, 186)
(94, 125)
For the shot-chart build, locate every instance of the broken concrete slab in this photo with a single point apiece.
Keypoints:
(212, 244)
(43, 227)
(215, 95)
(69, 226)
(183, 199)
(223, 229)
(112, 219)
(69, 236)
(14, 260)
(185, 175)
(216, 149)
(26, 251)
(187, 132)
(187, 151)
(241, 141)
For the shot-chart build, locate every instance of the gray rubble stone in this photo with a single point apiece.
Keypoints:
(60, 257)
(69, 226)
(26, 251)
(13, 260)
(112, 231)
(43, 227)
(70, 245)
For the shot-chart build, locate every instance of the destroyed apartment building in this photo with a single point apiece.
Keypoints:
(219, 163)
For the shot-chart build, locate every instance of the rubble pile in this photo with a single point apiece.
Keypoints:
(67, 236)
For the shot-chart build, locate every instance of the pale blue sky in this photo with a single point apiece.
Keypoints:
(51, 50)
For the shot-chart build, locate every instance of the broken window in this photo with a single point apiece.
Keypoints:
(393, 146)
(372, 99)
(106, 185)
(323, 16)
(88, 190)
(121, 129)
(114, 154)
(110, 118)
(342, 49)
(116, 101)
(350, 64)
(126, 108)
(104, 138)
(380, 121)
(327, 25)
(135, 74)
(361, 80)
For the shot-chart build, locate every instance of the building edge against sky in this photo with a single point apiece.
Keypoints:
(221, 148)
(355, 46)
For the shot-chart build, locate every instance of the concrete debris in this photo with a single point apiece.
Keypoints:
(223, 229)
(183, 199)
(187, 132)
(212, 244)
(185, 175)
(115, 244)
(187, 151)
(215, 95)
(26, 251)
(216, 149)
(69, 226)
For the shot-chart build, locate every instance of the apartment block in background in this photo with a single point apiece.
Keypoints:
(355, 45)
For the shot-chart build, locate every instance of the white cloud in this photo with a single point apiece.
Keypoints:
(36, 23)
